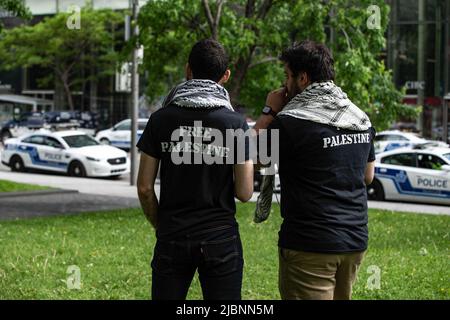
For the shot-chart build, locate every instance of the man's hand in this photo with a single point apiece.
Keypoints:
(277, 99)
(148, 170)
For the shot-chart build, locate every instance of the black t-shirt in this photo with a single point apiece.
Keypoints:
(323, 194)
(194, 196)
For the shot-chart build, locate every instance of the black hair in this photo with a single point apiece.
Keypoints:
(315, 59)
(208, 60)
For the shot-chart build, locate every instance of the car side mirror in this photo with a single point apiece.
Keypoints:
(446, 167)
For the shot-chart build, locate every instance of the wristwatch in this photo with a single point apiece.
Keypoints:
(268, 111)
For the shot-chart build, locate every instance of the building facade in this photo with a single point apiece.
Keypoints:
(418, 52)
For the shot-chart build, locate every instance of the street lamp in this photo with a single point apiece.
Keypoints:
(134, 92)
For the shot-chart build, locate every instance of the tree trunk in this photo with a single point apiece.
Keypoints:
(213, 22)
(240, 71)
(93, 93)
(58, 97)
(65, 83)
(243, 64)
(69, 97)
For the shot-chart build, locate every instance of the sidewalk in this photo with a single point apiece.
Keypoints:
(59, 202)
(106, 187)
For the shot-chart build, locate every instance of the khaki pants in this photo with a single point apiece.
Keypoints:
(317, 276)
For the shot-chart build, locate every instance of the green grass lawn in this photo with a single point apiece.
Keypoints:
(9, 186)
(113, 251)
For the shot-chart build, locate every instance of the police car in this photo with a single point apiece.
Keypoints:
(27, 123)
(72, 152)
(120, 135)
(390, 140)
(412, 174)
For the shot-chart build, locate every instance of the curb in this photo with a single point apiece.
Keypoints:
(36, 193)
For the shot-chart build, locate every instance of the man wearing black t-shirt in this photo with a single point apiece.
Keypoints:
(200, 175)
(326, 160)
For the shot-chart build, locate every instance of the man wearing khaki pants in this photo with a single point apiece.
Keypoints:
(326, 159)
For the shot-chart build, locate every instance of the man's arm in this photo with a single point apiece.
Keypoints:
(243, 180)
(148, 170)
(370, 173)
(276, 99)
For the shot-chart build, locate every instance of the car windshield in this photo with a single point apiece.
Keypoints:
(80, 141)
(447, 156)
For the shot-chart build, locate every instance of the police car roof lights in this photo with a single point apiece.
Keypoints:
(429, 144)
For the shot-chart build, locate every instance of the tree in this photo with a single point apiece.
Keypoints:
(16, 8)
(68, 52)
(254, 33)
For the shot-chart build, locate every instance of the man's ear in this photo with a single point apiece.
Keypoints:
(303, 80)
(225, 77)
(188, 71)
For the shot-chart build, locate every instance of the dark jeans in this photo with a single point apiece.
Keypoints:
(215, 253)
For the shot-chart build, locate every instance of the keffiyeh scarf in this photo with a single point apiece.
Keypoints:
(199, 93)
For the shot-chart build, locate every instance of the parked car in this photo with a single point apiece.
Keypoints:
(85, 121)
(438, 132)
(53, 120)
(72, 152)
(419, 174)
(390, 140)
(120, 134)
(26, 123)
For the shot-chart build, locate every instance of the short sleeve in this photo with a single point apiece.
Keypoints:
(372, 147)
(148, 143)
(248, 141)
(265, 140)
(239, 147)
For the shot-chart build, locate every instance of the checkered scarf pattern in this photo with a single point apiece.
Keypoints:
(326, 103)
(199, 93)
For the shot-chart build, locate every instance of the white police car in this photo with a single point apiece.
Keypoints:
(390, 140)
(120, 135)
(72, 152)
(412, 174)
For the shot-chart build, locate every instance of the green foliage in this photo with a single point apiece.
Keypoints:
(169, 29)
(67, 52)
(113, 251)
(16, 8)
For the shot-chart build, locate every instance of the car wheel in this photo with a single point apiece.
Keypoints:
(76, 169)
(375, 191)
(16, 164)
(5, 136)
(105, 141)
